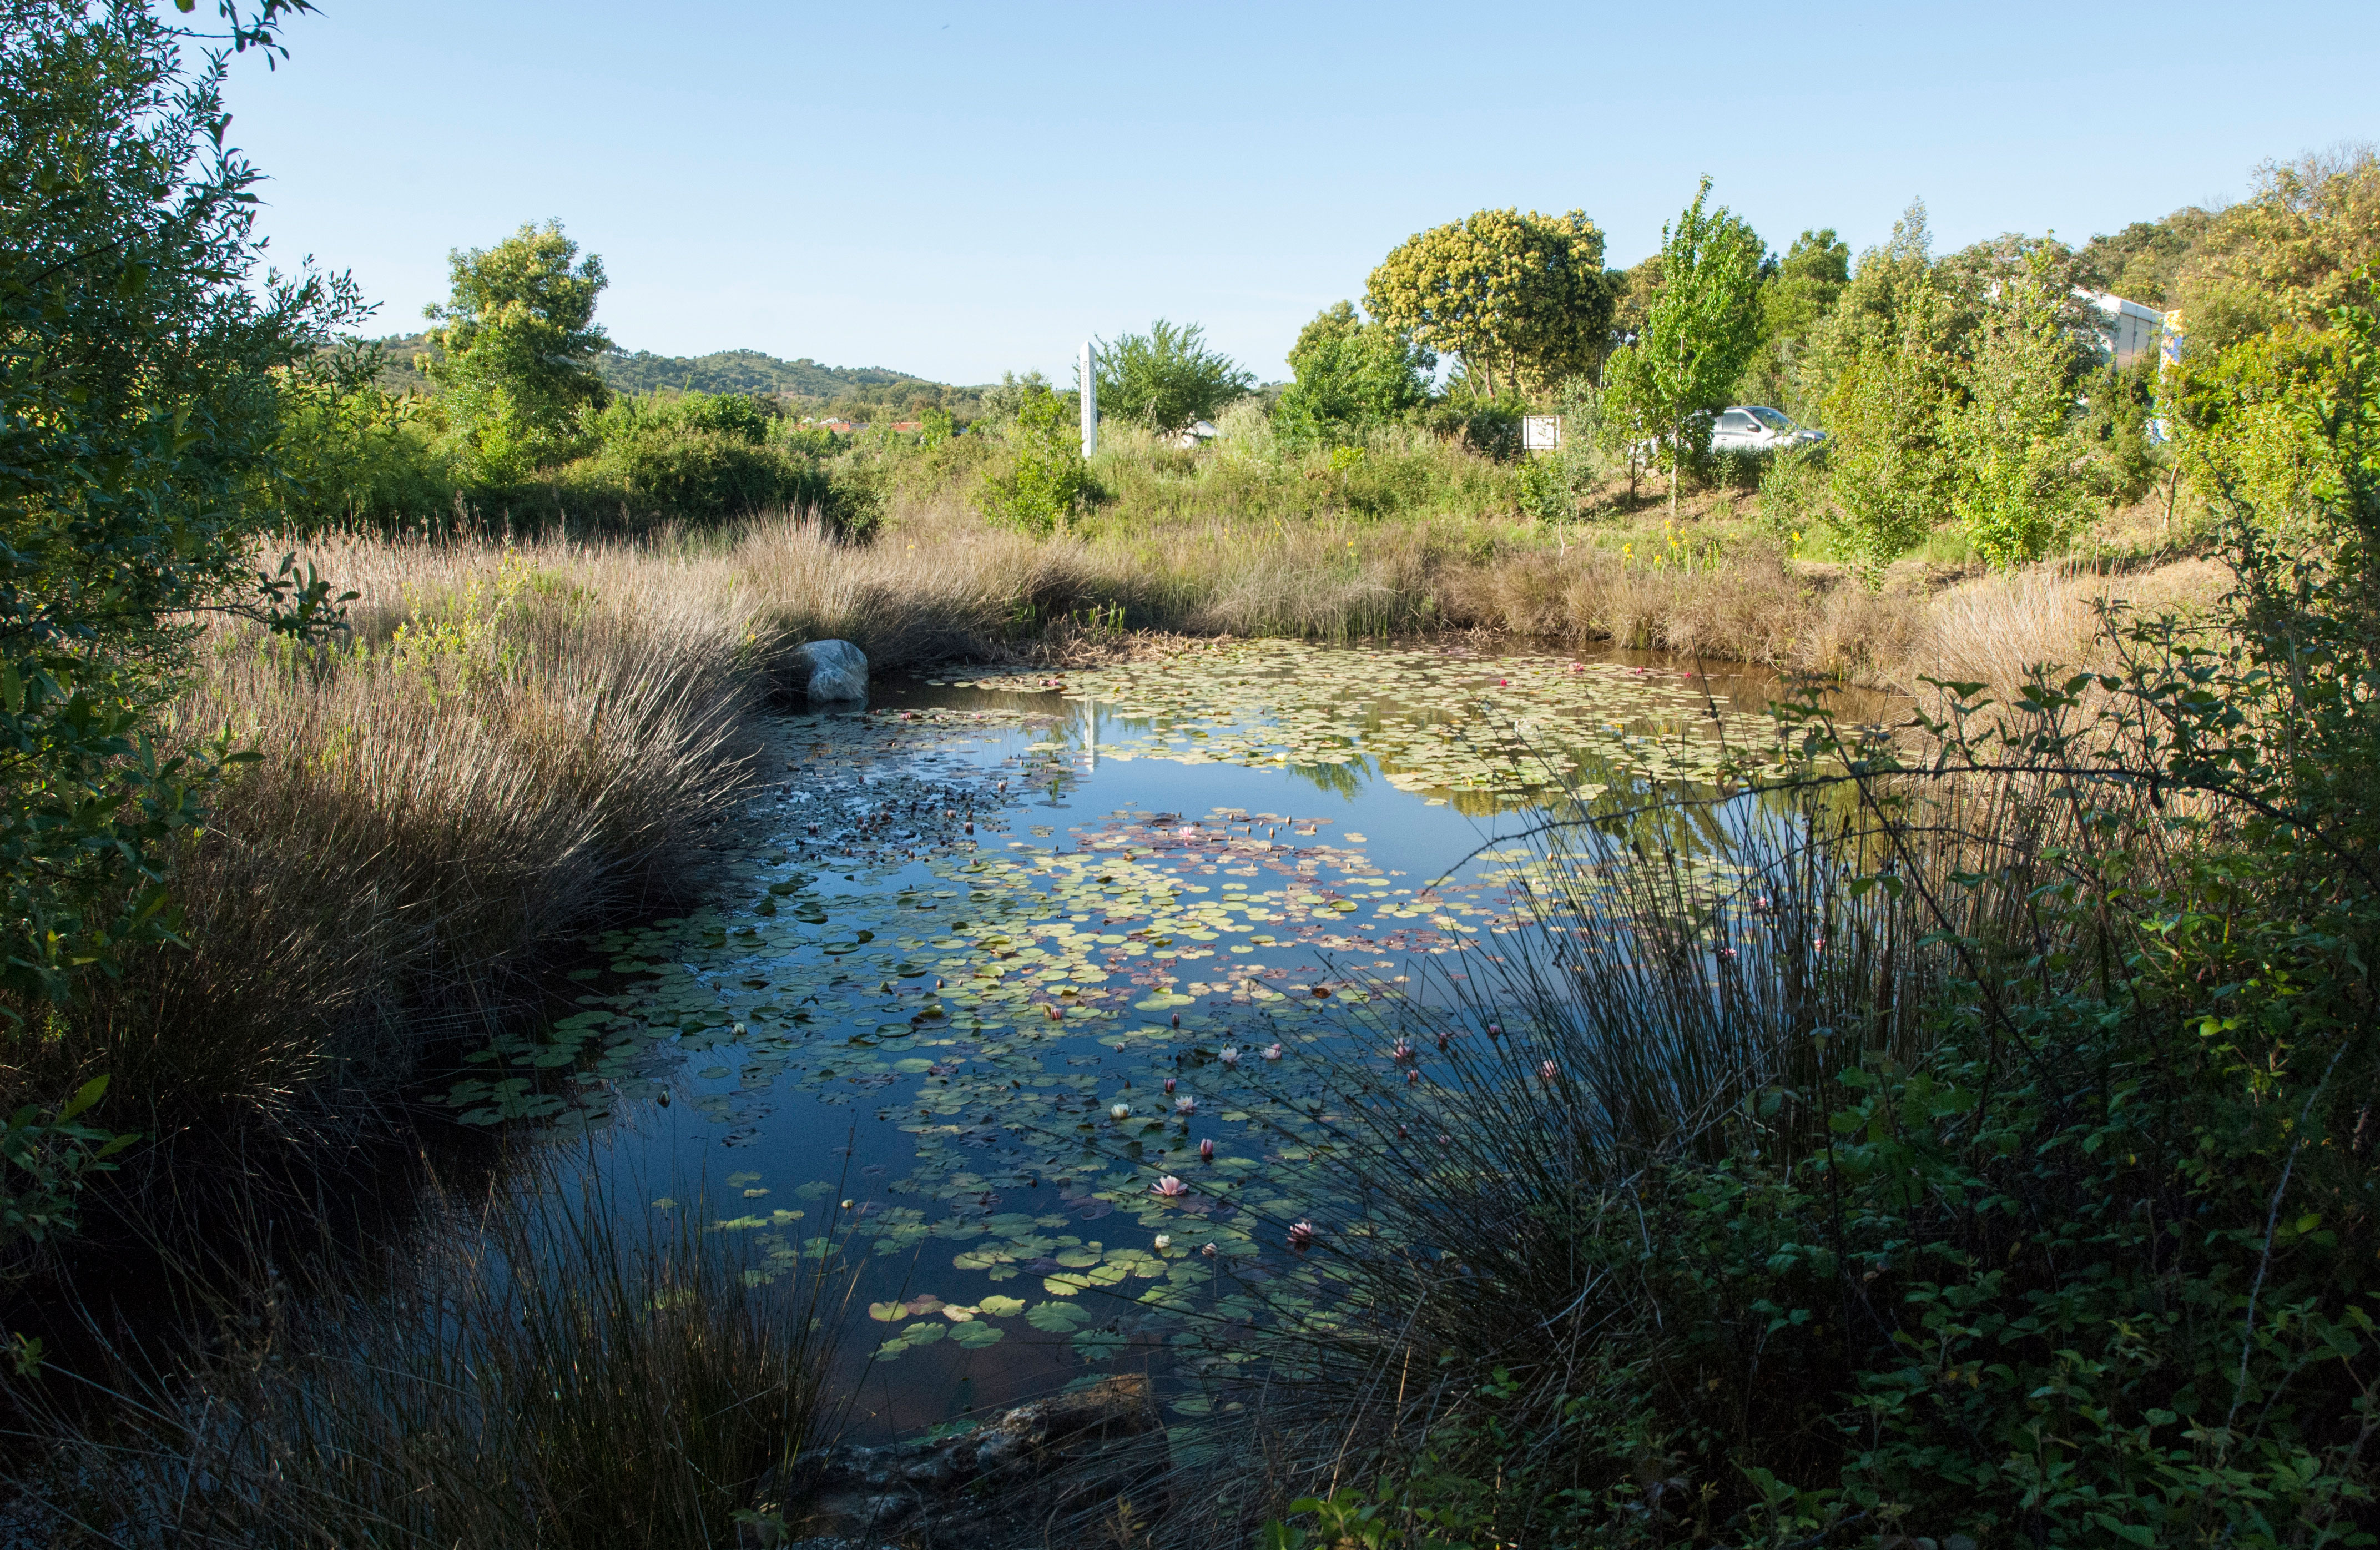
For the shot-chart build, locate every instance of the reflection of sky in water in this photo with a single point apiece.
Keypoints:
(925, 1079)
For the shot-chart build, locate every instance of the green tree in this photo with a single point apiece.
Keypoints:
(1885, 463)
(1352, 374)
(1798, 293)
(1889, 358)
(2141, 262)
(1521, 299)
(1167, 379)
(1702, 326)
(515, 351)
(349, 450)
(2017, 490)
(2300, 246)
(1043, 478)
(140, 351)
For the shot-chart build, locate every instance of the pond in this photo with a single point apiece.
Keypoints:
(1020, 990)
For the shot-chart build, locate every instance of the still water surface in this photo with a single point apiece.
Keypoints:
(971, 919)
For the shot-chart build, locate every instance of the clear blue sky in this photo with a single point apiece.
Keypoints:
(955, 190)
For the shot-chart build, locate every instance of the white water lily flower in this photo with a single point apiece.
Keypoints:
(1164, 1242)
(1120, 1112)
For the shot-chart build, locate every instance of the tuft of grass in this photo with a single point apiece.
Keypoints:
(529, 1371)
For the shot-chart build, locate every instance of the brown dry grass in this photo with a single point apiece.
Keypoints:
(518, 740)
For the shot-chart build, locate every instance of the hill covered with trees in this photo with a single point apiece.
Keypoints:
(748, 371)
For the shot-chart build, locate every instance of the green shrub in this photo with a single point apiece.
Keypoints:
(350, 451)
(1043, 479)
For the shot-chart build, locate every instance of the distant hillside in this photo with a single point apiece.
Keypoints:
(727, 371)
(747, 371)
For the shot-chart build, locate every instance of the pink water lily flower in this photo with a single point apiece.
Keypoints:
(1495, 1029)
(1272, 1051)
(1170, 1188)
(1403, 1052)
(1547, 1069)
(1411, 1077)
(1301, 1235)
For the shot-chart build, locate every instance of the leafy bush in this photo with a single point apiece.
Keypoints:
(139, 406)
(350, 451)
(1353, 376)
(698, 457)
(1167, 379)
(1043, 478)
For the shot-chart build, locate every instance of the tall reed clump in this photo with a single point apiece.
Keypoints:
(499, 756)
(1979, 1148)
(532, 1370)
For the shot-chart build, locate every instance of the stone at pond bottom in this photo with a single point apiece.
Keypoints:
(1004, 1484)
(831, 670)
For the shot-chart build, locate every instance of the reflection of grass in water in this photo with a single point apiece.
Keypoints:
(541, 1373)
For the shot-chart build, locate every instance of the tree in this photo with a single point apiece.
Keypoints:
(1888, 353)
(138, 353)
(1522, 300)
(515, 353)
(2141, 262)
(1351, 376)
(1702, 326)
(1044, 477)
(1797, 294)
(2295, 250)
(1167, 379)
(2017, 491)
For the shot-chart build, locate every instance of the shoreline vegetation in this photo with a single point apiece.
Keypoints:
(1990, 1161)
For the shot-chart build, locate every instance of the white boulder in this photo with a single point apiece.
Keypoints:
(831, 670)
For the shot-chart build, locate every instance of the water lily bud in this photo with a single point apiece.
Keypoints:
(1168, 1084)
(1209, 1251)
(1206, 1151)
(1164, 1242)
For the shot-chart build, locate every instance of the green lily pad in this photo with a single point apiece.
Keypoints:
(1058, 1318)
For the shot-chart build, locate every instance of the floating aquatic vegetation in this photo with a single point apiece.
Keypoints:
(1004, 993)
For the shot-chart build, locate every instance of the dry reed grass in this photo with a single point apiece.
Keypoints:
(518, 740)
(500, 758)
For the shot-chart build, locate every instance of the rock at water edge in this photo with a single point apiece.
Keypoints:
(836, 669)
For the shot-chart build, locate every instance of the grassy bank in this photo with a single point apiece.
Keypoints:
(516, 740)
